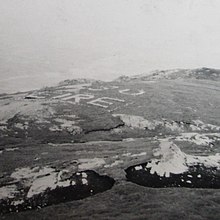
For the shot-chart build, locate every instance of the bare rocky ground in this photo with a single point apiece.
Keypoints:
(52, 138)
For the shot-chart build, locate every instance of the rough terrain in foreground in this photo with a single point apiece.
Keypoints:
(134, 148)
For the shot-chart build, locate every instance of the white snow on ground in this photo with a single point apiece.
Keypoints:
(126, 154)
(8, 191)
(127, 92)
(68, 125)
(18, 202)
(51, 181)
(86, 164)
(3, 127)
(38, 179)
(39, 185)
(25, 110)
(12, 149)
(32, 109)
(138, 167)
(158, 74)
(173, 126)
(139, 155)
(140, 122)
(84, 181)
(128, 139)
(137, 121)
(55, 128)
(41, 179)
(134, 155)
(71, 129)
(64, 122)
(22, 126)
(116, 163)
(200, 125)
(29, 173)
(173, 160)
(9, 150)
(199, 139)
(84, 175)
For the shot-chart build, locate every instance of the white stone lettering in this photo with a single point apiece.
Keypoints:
(78, 97)
(99, 102)
(127, 92)
(62, 96)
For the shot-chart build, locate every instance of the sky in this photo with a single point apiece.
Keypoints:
(45, 41)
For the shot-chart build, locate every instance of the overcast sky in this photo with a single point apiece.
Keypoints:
(45, 41)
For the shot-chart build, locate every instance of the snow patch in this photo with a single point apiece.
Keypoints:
(11, 149)
(126, 154)
(3, 127)
(8, 191)
(134, 155)
(68, 125)
(85, 181)
(139, 155)
(136, 121)
(116, 163)
(38, 179)
(174, 126)
(21, 125)
(31, 173)
(138, 167)
(18, 202)
(128, 139)
(39, 185)
(202, 126)
(140, 122)
(173, 160)
(86, 164)
(84, 175)
(199, 139)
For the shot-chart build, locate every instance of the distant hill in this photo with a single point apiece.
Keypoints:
(81, 110)
(200, 73)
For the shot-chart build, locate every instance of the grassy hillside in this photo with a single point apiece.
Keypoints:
(107, 127)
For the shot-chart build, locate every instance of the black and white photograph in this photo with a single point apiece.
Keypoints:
(109, 109)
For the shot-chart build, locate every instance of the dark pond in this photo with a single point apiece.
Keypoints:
(197, 176)
(93, 184)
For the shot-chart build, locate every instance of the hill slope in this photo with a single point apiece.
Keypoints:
(82, 125)
(200, 73)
